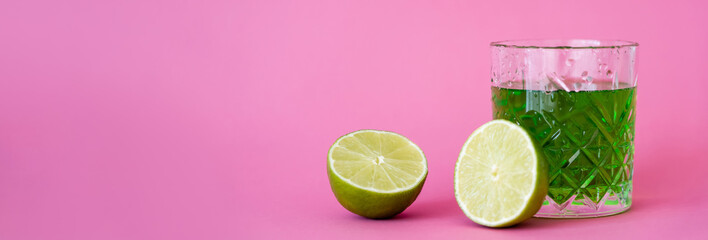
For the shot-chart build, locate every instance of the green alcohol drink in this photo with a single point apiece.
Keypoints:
(587, 138)
(576, 98)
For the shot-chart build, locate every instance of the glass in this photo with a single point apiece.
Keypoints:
(577, 99)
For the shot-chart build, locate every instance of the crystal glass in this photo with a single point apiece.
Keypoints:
(577, 99)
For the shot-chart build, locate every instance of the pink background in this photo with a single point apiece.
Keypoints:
(193, 120)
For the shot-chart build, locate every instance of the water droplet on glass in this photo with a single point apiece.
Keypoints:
(569, 62)
(577, 87)
(602, 68)
(609, 73)
(584, 76)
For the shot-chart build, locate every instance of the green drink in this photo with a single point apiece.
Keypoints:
(586, 137)
(577, 99)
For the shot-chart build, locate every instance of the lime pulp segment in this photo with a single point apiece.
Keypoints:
(378, 161)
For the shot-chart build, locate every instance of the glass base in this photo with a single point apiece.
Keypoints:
(582, 207)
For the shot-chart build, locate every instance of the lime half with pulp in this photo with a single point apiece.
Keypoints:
(376, 174)
(500, 177)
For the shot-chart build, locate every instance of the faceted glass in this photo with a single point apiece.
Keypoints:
(577, 99)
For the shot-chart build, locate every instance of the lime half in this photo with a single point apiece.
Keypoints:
(376, 174)
(500, 177)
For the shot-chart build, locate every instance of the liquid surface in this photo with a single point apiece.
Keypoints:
(587, 138)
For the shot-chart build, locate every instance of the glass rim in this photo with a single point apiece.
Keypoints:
(563, 44)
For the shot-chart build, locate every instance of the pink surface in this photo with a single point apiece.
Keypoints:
(192, 120)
